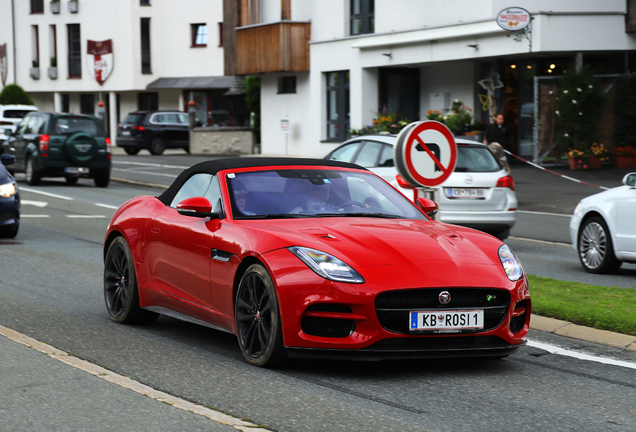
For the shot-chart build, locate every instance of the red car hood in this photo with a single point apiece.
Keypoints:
(364, 242)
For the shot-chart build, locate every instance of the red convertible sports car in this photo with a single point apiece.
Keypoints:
(312, 258)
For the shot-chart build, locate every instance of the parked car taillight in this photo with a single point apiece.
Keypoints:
(107, 145)
(5, 123)
(506, 181)
(139, 128)
(44, 143)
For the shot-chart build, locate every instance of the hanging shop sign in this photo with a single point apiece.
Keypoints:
(100, 59)
(513, 18)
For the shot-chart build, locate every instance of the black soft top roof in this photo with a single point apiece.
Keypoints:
(216, 165)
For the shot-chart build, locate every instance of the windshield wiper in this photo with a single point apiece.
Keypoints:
(372, 215)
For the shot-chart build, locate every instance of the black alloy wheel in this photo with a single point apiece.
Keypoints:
(596, 250)
(32, 177)
(131, 150)
(120, 286)
(258, 325)
(157, 145)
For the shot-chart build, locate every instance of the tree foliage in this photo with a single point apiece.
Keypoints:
(625, 125)
(13, 94)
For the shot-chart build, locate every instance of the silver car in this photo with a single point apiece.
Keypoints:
(479, 194)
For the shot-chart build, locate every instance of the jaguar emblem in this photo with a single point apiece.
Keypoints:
(444, 297)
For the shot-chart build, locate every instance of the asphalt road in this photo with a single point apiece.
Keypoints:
(51, 291)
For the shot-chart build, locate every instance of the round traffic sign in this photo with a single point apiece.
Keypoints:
(425, 153)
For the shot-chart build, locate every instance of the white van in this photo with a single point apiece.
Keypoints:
(11, 115)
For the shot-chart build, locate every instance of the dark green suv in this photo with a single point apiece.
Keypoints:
(60, 145)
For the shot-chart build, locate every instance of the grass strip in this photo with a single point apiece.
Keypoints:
(604, 308)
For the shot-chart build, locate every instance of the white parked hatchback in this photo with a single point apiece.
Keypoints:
(479, 194)
(11, 115)
(603, 228)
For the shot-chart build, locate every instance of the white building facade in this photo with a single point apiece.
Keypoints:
(163, 54)
(412, 56)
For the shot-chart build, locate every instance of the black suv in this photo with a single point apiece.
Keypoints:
(154, 131)
(60, 145)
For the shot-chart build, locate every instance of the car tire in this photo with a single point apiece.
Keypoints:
(101, 178)
(132, 151)
(157, 145)
(595, 247)
(257, 317)
(71, 179)
(32, 176)
(9, 231)
(120, 286)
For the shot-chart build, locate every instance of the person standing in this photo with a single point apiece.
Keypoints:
(497, 138)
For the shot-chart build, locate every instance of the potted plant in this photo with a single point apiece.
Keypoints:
(73, 6)
(35, 70)
(624, 157)
(585, 157)
(55, 6)
(458, 120)
(52, 71)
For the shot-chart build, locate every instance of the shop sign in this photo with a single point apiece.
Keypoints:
(513, 19)
(100, 59)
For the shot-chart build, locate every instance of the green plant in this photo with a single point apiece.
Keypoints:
(13, 94)
(435, 115)
(386, 122)
(578, 109)
(35, 63)
(53, 61)
(459, 118)
(55, 1)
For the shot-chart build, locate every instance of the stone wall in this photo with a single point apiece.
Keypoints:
(222, 140)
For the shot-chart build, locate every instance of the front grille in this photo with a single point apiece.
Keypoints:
(393, 307)
(328, 327)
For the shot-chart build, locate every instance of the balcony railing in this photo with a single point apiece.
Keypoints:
(275, 47)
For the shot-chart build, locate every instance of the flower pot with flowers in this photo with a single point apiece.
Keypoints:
(624, 157)
(385, 123)
(459, 119)
(587, 157)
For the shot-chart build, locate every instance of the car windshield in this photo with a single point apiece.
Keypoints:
(69, 125)
(16, 114)
(134, 119)
(475, 158)
(293, 193)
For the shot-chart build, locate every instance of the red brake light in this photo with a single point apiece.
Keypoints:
(506, 181)
(5, 123)
(44, 143)
(107, 144)
(139, 128)
(403, 183)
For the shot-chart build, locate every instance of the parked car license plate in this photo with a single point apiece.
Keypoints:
(125, 133)
(447, 320)
(76, 170)
(466, 193)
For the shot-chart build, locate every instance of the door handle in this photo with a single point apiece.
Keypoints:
(155, 230)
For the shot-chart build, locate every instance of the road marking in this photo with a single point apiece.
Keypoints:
(34, 216)
(551, 243)
(40, 204)
(564, 352)
(46, 193)
(543, 213)
(85, 216)
(106, 206)
(128, 383)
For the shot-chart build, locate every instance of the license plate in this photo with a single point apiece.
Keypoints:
(467, 193)
(447, 320)
(125, 133)
(76, 170)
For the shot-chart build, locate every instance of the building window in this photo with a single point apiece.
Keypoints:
(37, 6)
(145, 46)
(53, 45)
(65, 102)
(199, 35)
(144, 2)
(87, 103)
(148, 101)
(220, 34)
(74, 51)
(287, 84)
(35, 48)
(337, 105)
(362, 17)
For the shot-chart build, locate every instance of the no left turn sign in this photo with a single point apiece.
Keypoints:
(425, 153)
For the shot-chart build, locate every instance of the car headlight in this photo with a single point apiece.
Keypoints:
(327, 266)
(7, 190)
(577, 210)
(510, 263)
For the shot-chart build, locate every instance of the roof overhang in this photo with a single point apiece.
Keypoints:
(192, 83)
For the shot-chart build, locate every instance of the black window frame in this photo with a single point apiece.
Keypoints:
(37, 6)
(341, 89)
(146, 60)
(287, 84)
(87, 103)
(194, 33)
(366, 15)
(74, 50)
(144, 3)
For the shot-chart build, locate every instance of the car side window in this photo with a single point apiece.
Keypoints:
(386, 156)
(200, 185)
(183, 118)
(159, 118)
(345, 153)
(171, 118)
(32, 125)
(368, 156)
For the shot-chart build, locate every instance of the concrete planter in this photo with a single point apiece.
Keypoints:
(55, 7)
(52, 72)
(73, 6)
(35, 73)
